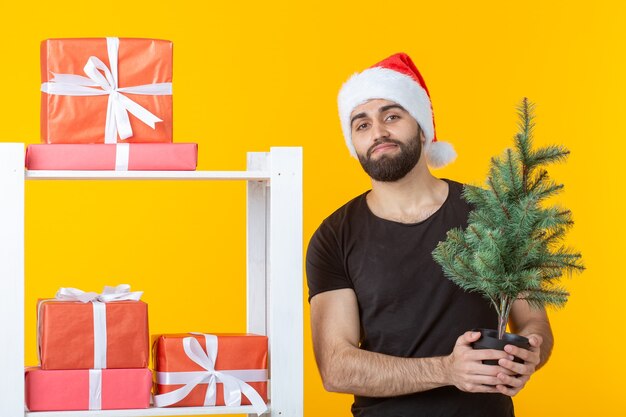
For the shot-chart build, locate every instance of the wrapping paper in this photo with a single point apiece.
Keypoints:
(141, 156)
(235, 352)
(64, 390)
(66, 334)
(82, 119)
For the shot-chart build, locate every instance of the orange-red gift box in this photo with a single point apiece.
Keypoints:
(65, 390)
(66, 334)
(235, 352)
(81, 119)
(141, 156)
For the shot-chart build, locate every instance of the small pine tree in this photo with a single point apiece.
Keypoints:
(513, 246)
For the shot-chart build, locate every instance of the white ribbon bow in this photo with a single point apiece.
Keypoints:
(233, 386)
(120, 293)
(118, 107)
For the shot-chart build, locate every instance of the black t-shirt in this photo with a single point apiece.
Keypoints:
(407, 307)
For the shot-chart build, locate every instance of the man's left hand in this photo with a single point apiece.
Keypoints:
(511, 385)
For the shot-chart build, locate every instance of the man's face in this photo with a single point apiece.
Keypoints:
(387, 139)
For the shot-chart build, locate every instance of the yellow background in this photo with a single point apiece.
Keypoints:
(248, 76)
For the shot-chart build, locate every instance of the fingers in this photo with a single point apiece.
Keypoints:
(479, 388)
(510, 385)
(524, 354)
(535, 340)
(506, 390)
(489, 371)
(467, 338)
(511, 381)
(470, 361)
(469, 371)
(518, 351)
(517, 368)
(488, 354)
(480, 383)
(530, 357)
(489, 384)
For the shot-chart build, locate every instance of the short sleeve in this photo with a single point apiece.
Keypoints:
(325, 267)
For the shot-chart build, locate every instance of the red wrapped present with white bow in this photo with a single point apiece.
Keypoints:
(106, 90)
(87, 330)
(195, 369)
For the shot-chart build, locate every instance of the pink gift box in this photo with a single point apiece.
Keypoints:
(65, 390)
(103, 157)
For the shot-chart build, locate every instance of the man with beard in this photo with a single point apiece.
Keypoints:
(387, 326)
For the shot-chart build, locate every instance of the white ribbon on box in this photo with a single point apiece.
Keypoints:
(95, 389)
(119, 105)
(120, 293)
(233, 380)
(122, 154)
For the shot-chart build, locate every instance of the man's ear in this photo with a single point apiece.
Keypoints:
(421, 133)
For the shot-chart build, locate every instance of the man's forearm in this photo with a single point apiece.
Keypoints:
(376, 375)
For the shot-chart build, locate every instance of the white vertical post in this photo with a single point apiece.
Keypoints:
(12, 278)
(256, 244)
(285, 274)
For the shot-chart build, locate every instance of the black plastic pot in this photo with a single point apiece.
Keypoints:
(489, 340)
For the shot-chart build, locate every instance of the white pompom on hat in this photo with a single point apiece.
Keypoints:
(395, 79)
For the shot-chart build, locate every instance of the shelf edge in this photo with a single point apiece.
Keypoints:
(146, 175)
(147, 412)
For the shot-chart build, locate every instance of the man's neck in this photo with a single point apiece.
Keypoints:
(409, 200)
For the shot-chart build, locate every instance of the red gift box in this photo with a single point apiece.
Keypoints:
(89, 87)
(138, 156)
(106, 389)
(67, 339)
(187, 371)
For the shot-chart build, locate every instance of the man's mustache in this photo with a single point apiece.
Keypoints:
(378, 142)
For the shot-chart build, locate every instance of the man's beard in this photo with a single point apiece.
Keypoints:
(392, 168)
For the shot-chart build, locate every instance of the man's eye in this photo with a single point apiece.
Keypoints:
(393, 117)
(361, 126)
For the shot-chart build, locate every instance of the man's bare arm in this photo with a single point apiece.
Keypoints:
(346, 368)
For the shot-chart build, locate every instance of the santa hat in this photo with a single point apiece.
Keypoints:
(396, 79)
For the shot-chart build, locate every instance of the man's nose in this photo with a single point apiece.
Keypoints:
(379, 130)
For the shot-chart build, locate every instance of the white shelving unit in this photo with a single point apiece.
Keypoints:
(274, 272)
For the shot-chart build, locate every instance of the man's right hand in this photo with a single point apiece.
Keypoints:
(465, 370)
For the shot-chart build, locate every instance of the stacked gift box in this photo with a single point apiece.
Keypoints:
(93, 352)
(106, 104)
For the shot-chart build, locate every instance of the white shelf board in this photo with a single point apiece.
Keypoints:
(146, 175)
(167, 411)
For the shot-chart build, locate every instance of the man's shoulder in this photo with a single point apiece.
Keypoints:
(331, 234)
(337, 224)
(457, 198)
(353, 208)
(454, 185)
